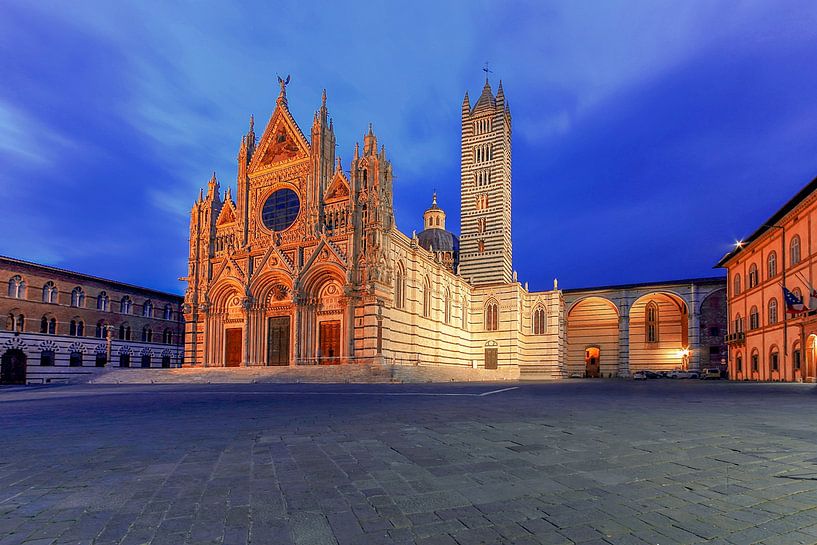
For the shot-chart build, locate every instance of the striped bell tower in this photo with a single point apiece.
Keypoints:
(485, 189)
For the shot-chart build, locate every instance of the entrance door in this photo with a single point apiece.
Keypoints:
(591, 362)
(13, 367)
(329, 342)
(278, 340)
(232, 349)
(491, 357)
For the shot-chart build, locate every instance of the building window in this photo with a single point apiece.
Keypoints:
(17, 287)
(739, 363)
(167, 336)
(101, 360)
(147, 335)
(49, 293)
(125, 305)
(771, 265)
(48, 326)
(774, 359)
(75, 359)
(145, 360)
(102, 301)
(753, 279)
(76, 328)
(168, 313)
(794, 249)
(795, 358)
(426, 298)
(77, 297)
(738, 324)
(755, 362)
(47, 358)
(124, 332)
(147, 309)
(447, 306)
(754, 319)
(736, 284)
(124, 360)
(100, 329)
(464, 311)
(772, 311)
(539, 320)
(491, 316)
(652, 322)
(400, 287)
(15, 323)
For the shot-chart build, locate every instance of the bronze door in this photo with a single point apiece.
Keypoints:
(491, 358)
(329, 342)
(232, 349)
(278, 340)
(13, 367)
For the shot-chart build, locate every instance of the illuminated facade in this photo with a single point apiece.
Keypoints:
(767, 342)
(306, 265)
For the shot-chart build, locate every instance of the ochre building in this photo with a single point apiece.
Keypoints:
(305, 265)
(768, 340)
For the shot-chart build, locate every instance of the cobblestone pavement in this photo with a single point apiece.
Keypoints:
(591, 462)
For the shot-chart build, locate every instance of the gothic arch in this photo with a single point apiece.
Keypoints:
(592, 321)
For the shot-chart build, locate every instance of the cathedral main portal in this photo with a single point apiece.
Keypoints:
(278, 341)
(232, 349)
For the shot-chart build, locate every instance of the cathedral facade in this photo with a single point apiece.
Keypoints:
(305, 265)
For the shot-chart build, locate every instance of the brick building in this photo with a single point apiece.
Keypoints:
(60, 324)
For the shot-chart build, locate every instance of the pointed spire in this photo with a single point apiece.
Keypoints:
(499, 91)
(252, 124)
(228, 196)
(331, 125)
(201, 194)
(282, 96)
(323, 99)
(370, 130)
(357, 151)
(383, 151)
(338, 167)
(434, 198)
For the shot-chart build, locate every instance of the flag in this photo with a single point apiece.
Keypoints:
(794, 304)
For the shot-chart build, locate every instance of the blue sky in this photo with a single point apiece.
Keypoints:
(648, 136)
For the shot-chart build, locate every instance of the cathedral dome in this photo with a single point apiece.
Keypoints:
(435, 238)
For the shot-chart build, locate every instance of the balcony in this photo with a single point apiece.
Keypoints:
(738, 337)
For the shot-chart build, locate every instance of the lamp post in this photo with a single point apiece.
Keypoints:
(108, 337)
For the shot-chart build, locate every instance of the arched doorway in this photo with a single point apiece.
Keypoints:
(592, 362)
(13, 367)
(811, 357)
(592, 323)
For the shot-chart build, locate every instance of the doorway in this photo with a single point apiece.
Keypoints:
(232, 348)
(13, 367)
(491, 357)
(329, 342)
(592, 357)
(278, 340)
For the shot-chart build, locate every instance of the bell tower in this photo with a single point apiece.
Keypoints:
(485, 189)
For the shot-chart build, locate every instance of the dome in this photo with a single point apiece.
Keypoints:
(439, 240)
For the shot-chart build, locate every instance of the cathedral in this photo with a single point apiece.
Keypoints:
(306, 266)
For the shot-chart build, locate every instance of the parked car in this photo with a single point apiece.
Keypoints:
(644, 375)
(711, 373)
(678, 373)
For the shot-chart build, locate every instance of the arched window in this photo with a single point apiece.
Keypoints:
(794, 250)
(651, 322)
(48, 325)
(491, 315)
(752, 281)
(739, 363)
(100, 329)
(754, 319)
(738, 324)
(426, 298)
(771, 265)
(447, 306)
(464, 313)
(17, 287)
(167, 336)
(736, 284)
(796, 356)
(539, 320)
(774, 359)
(49, 292)
(102, 301)
(124, 332)
(10, 322)
(77, 297)
(755, 359)
(147, 309)
(125, 305)
(47, 358)
(772, 311)
(15, 323)
(147, 335)
(168, 312)
(72, 328)
(400, 287)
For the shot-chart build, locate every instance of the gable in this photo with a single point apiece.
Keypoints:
(226, 217)
(282, 142)
(338, 189)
